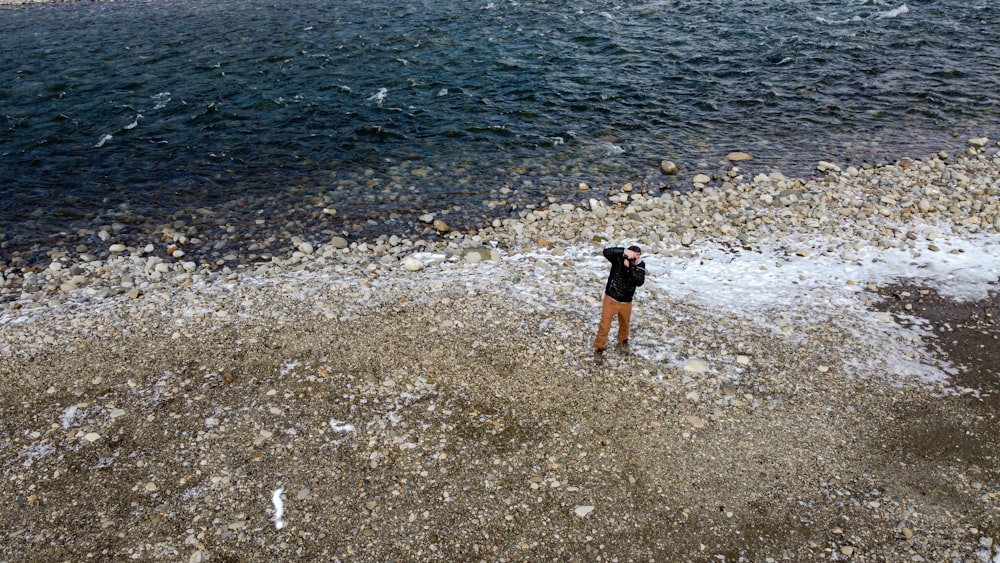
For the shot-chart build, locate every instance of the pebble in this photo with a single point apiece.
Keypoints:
(583, 510)
(694, 421)
(695, 366)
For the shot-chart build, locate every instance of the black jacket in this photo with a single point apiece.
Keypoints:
(623, 280)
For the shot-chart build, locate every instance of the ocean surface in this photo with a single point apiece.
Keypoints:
(251, 117)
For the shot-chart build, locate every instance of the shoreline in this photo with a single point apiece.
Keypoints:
(743, 212)
(432, 399)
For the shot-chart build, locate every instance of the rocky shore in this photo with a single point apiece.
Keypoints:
(434, 399)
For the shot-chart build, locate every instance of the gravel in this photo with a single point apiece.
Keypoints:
(436, 399)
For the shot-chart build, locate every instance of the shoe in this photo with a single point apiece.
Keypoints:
(624, 347)
(599, 355)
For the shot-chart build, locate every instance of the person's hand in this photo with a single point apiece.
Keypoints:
(631, 255)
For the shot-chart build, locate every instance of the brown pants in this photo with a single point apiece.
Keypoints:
(609, 310)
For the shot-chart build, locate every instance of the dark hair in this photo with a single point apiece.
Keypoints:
(635, 249)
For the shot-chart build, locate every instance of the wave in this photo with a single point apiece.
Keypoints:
(161, 100)
(379, 96)
(104, 139)
(134, 124)
(904, 9)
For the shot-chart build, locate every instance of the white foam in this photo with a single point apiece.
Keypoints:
(161, 99)
(134, 124)
(379, 97)
(904, 9)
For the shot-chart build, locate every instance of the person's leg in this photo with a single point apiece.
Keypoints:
(607, 313)
(624, 318)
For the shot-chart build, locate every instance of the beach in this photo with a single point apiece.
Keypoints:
(814, 376)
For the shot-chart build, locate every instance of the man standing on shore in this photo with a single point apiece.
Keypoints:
(628, 272)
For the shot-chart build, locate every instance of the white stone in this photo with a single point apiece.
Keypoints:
(979, 142)
(117, 248)
(411, 264)
(701, 179)
(92, 437)
(696, 366)
(583, 510)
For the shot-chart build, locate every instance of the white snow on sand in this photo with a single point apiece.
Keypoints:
(781, 288)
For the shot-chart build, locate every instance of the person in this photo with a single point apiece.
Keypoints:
(628, 272)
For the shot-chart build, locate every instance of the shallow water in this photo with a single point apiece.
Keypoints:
(144, 112)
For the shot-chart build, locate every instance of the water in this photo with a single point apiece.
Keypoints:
(229, 115)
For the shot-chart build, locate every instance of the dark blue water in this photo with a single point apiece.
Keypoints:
(222, 112)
